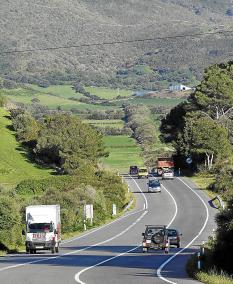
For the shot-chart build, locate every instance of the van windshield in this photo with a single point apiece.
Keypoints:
(40, 228)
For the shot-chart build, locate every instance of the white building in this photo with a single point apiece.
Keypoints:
(179, 88)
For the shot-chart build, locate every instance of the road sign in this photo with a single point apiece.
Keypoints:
(114, 209)
(88, 211)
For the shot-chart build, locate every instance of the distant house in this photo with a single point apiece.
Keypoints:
(180, 87)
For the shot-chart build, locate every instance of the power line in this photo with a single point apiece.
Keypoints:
(195, 35)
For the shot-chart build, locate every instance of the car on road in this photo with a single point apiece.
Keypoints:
(143, 172)
(174, 237)
(133, 170)
(168, 174)
(154, 185)
(155, 237)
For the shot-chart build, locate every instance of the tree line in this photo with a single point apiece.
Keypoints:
(202, 129)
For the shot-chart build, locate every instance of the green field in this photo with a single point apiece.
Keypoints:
(115, 123)
(14, 164)
(167, 102)
(106, 93)
(63, 91)
(52, 101)
(123, 153)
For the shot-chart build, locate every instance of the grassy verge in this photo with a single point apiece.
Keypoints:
(211, 276)
(203, 181)
(14, 163)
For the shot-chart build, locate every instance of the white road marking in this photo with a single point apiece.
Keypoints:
(73, 239)
(77, 275)
(176, 207)
(159, 270)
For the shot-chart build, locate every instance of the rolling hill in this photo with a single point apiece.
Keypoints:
(44, 24)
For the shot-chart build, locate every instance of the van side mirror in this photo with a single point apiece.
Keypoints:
(23, 232)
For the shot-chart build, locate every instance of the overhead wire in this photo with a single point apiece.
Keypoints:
(195, 35)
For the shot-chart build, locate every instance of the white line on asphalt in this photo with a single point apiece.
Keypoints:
(76, 251)
(176, 208)
(159, 270)
(77, 275)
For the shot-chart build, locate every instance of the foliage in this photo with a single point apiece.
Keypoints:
(69, 143)
(101, 189)
(203, 125)
(15, 164)
(202, 135)
(214, 95)
(223, 249)
(27, 128)
(10, 222)
(140, 119)
(3, 101)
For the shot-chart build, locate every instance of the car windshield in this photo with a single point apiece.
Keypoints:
(143, 170)
(172, 233)
(152, 231)
(40, 228)
(154, 183)
(133, 168)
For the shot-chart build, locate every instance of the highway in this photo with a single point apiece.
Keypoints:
(112, 254)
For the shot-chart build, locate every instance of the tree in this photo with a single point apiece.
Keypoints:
(69, 143)
(27, 128)
(204, 136)
(214, 95)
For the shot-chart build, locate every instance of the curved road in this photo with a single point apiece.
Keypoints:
(112, 253)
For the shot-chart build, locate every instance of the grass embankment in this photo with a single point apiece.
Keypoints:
(14, 164)
(123, 153)
(211, 276)
(203, 181)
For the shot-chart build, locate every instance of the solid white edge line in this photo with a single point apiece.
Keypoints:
(77, 275)
(73, 239)
(159, 270)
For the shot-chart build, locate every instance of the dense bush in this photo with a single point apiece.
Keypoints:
(10, 223)
(102, 189)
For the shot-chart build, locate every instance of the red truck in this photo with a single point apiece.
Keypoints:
(164, 163)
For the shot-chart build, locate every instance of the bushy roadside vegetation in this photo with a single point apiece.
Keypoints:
(73, 149)
(201, 129)
(145, 128)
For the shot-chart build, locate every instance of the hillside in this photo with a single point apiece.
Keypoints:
(14, 164)
(43, 24)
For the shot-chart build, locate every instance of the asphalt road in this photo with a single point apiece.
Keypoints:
(112, 254)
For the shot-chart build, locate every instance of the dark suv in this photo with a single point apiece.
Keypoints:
(155, 237)
(133, 170)
(174, 237)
